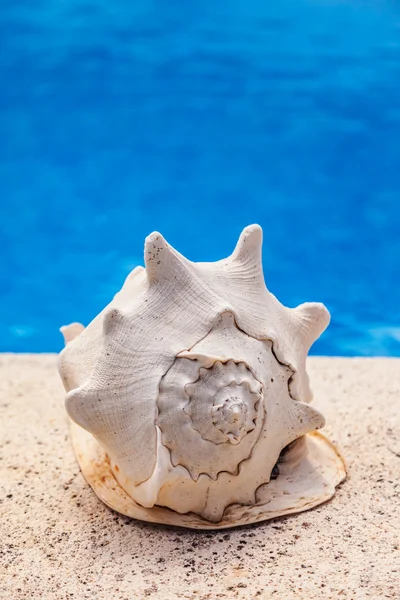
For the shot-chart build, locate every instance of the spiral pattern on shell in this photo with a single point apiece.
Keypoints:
(210, 418)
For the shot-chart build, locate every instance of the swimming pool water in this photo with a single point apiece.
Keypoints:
(196, 119)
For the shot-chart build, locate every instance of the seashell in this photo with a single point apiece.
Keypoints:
(189, 396)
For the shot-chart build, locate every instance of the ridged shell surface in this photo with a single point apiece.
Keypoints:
(193, 379)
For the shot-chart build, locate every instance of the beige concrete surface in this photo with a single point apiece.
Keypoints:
(59, 542)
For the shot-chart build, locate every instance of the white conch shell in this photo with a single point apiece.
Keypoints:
(193, 382)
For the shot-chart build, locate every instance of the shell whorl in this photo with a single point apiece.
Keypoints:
(210, 418)
(233, 397)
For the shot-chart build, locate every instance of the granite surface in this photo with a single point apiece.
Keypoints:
(58, 541)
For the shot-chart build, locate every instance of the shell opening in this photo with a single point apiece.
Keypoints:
(289, 457)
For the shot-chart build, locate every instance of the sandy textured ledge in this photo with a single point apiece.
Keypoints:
(59, 542)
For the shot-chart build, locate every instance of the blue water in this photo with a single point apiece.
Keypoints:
(196, 119)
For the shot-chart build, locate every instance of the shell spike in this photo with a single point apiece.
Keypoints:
(70, 332)
(308, 417)
(161, 260)
(249, 245)
(112, 317)
(313, 318)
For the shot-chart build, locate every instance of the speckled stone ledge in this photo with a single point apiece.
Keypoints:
(60, 542)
